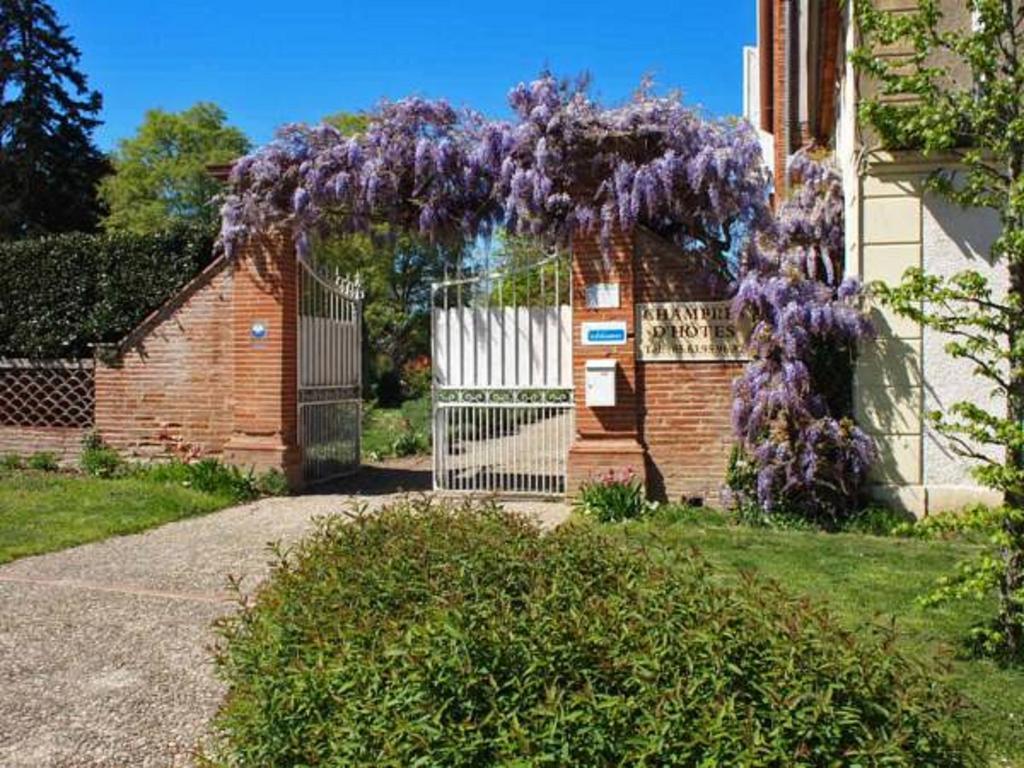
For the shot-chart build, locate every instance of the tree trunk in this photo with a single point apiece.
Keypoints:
(1011, 615)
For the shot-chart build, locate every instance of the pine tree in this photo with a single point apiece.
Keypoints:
(49, 166)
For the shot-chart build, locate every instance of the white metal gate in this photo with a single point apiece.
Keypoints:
(503, 394)
(330, 369)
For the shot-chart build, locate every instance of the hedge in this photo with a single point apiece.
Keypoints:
(433, 636)
(63, 292)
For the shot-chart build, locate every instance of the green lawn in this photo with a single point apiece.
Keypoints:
(402, 431)
(43, 512)
(867, 579)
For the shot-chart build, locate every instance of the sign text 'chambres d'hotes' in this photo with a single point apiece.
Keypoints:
(689, 331)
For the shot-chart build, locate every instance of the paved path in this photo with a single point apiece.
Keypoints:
(104, 648)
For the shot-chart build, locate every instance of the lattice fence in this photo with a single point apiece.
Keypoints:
(47, 393)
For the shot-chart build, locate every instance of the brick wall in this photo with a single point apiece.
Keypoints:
(781, 93)
(46, 406)
(170, 385)
(671, 420)
(192, 376)
(265, 429)
(66, 442)
(685, 414)
(686, 427)
(606, 438)
(591, 266)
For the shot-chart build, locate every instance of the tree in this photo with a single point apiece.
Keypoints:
(49, 166)
(348, 123)
(160, 174)
(396, 270)
(965, 81)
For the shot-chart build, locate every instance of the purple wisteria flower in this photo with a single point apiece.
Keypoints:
(791, 412)
(565, 165)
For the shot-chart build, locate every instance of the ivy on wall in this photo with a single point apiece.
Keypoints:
(62, 293)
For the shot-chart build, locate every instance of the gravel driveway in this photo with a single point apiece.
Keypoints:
(104, 648)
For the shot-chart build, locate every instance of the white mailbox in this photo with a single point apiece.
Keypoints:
(600, 383)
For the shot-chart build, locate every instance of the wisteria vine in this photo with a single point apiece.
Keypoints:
(569, 165)
(566, 165)
(791, 411)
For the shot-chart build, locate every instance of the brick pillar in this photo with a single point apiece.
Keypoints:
(606, 437)
(265, 294)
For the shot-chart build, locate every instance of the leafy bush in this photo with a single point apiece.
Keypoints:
(11, 461)
(741, 497)
(417, 377)
(63, 292)
(403, 431)
(878, 520)
(410, 443)
(980, 576)
(272, 483)
(207, 475)
(211, 476)
(613, 497)
(975, 519)
(43, 461)
(98, 458)
(465, 637)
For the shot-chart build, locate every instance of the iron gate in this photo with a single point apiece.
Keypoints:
(330, 369)
(503, 395)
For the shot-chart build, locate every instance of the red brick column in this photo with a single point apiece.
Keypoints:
(265, 292)
(607, 437)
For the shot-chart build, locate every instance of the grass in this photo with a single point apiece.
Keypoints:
(46, 511)
(867, 579)
(403, 431)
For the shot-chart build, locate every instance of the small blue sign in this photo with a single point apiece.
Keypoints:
(611, 332)
(606, 336)
(258, 331)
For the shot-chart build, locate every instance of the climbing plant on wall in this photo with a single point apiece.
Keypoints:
(566, 165)
(801, 453)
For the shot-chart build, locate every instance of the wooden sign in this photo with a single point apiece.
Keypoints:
(689, 331)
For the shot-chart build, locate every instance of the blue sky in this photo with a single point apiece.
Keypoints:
(268, 63)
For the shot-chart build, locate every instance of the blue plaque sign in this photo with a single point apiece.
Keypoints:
(611, 332)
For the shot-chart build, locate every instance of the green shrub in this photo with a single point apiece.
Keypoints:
(613, 497)
(970, 522)
(465, 637)
(403, 431)
(741, 486)
(741, 498)
(410, 443)
(11, 461)
(211, 476)
(272, 483)
(878, 520)
(99, 459)
(64, 292)
(43, 461)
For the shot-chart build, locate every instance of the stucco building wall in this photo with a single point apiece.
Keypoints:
(953, 240)
(906, 372)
